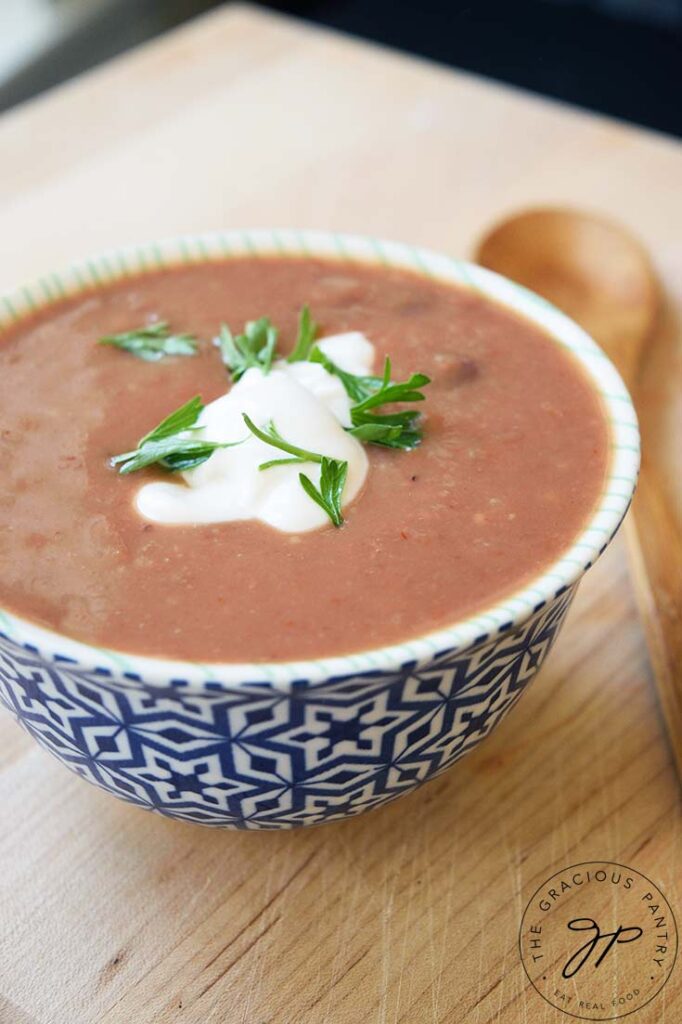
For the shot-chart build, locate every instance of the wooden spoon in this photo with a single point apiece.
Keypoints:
(588, 267)
(603, 278)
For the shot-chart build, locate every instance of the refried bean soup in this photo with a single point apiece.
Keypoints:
(266, 459)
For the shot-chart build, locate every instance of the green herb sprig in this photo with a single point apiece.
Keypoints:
(307, 329)
(358, 388)
(333, 472)
(152, 342)
(391, 430)
(166, 446)
(270, 435)
(171, 445)
(333, 475)
(255, 347)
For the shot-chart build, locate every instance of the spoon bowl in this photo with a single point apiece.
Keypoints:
(592, 269)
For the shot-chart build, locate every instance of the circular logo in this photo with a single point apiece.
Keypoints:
(598, 940)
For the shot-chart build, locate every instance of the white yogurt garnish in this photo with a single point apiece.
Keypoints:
(309, 408)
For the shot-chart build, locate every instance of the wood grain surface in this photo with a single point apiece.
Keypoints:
(409, 915)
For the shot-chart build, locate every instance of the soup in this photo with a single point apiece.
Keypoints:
(512, 460)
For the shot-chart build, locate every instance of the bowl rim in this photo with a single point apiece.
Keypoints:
(487, 624)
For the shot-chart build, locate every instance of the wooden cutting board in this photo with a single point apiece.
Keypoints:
(411, 914)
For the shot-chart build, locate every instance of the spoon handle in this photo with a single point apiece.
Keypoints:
(602, 277)
(655, 546)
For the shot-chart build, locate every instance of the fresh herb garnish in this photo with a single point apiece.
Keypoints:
(392, 430)
(255, 347)
(152, 342)
(180, 419)
(332, 481)
(332, 474)
(173, 453)
(165, 445)
(172, 445)
(307, 329)
(270, 435)
(357, 388)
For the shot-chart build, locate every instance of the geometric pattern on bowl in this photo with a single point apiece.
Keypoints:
(258, 757)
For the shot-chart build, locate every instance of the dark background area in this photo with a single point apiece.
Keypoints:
(620, 57)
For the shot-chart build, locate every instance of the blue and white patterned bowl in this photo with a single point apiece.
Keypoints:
(298, 743)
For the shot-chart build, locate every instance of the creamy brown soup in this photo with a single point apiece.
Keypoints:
(512, 462)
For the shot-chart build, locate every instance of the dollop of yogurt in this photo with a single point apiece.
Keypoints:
(309, 407)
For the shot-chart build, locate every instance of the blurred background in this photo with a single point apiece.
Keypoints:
(620, 57)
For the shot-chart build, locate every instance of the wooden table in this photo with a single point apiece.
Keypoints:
(410, 914)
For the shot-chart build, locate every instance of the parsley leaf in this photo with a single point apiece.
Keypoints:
(390, 436)
(180, 419)
(165, 445)
(271, 435)
(357, 388)
(392, 430)
(332, 481)
(173, 453)
(152, 342)
(332, 475)
(255, 347)
(307, 329)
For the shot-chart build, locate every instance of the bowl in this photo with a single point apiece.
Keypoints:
(299, 743)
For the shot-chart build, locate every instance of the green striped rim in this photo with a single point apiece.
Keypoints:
(516, 607)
